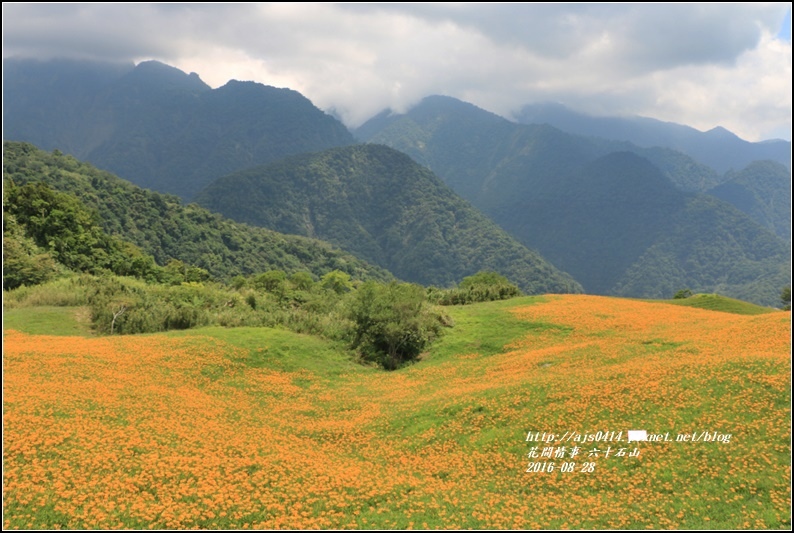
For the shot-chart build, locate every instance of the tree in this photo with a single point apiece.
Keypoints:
(392, 323)
(484, 286)
(302, 281)
(24, 263)
(484, 278)
(336, 281)
(271, 281)
(682, 294)
(785, 298)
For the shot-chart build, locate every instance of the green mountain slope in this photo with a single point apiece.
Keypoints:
(711, 247)
(590, 206)
(164, 228)
(382, 206)
(596, 221)
(472, 149)
(763, 191)
(157, 126)
(47, 102)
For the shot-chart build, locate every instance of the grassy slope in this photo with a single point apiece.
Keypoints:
(49, 320)
(717, 302)
(227, 427)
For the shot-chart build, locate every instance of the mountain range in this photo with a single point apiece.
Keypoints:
(717, 148)
(595, 208)
(157, 126)
(382, 206)
(631, 214)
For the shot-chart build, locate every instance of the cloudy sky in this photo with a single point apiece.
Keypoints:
(699, 64)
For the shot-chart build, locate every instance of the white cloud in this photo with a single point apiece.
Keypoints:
(699, 64)
(751, 98)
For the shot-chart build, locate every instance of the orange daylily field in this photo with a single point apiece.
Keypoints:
(185, 431)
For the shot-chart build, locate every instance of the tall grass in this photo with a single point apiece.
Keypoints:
(69, 291)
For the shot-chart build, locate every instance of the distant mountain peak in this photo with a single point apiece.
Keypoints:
(158, 126)
(155, 74)
(721, 133)
(443, 102)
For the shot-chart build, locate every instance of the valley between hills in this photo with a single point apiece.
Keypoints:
(223, 309)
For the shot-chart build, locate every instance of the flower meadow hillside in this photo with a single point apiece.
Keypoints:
(257, 428)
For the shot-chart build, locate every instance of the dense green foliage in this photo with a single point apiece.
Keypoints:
(127, 306)
(762, 190)
(380, 205)
(24, 263)
(165, 229)
(392, 324)
(157, 126)
(612, 219)
(484, 286)
(71, 235)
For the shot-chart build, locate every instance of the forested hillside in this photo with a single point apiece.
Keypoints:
(165, 228)
(763, 191)
(380, 205)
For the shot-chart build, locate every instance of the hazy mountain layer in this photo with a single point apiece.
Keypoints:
(763, 191)
(157, 126)
(718, 148)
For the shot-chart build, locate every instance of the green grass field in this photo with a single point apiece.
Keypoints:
(49, 320)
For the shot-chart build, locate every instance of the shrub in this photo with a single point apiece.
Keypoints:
(392, 324)
(336, 281)
(682, 294)
(484, 286)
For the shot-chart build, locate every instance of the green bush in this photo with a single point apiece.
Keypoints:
(126, 306)
(336, 281)
(392, 324)
(484, 286)
(301, 281)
